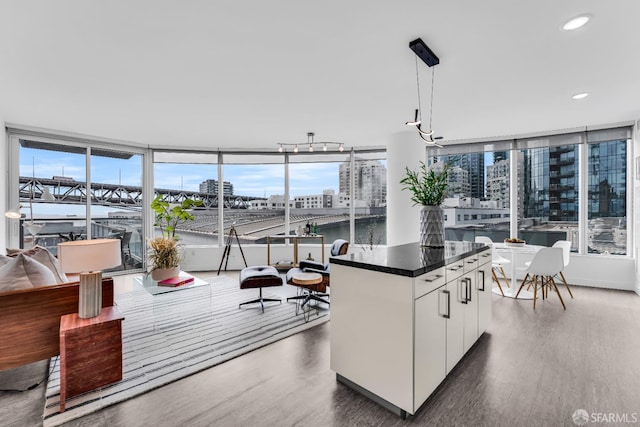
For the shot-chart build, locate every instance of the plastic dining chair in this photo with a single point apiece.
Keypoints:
(546, 264)
(497, 262)
(566, 257)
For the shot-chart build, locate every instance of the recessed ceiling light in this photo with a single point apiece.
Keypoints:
(576, 22)
(580, 95)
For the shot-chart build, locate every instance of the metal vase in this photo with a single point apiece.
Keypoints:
(432, 227)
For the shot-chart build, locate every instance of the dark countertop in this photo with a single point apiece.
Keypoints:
(409, 260)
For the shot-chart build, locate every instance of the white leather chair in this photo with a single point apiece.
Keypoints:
(546, 264)
(497, 262)
(566, 257)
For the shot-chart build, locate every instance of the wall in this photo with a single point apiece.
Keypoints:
(208, 258)
(3, 183)
(636, 203)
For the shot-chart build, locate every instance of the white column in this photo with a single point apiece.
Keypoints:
(404, 149)
(4, 185)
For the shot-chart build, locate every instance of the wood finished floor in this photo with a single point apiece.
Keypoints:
(529, 369)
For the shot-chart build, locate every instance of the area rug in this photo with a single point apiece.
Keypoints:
(169, 336)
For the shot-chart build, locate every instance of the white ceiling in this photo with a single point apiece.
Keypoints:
(250, 74)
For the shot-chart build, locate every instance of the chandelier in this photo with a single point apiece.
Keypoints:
(310, 144)
(423, 52)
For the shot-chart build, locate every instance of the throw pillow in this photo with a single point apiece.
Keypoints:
(5, 259)
(43, 256)
(23, 272)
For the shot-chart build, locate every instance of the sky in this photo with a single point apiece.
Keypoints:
(259, 180)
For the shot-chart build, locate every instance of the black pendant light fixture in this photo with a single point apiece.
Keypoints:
(423, 52)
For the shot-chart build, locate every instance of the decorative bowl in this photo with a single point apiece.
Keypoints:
(514, 242)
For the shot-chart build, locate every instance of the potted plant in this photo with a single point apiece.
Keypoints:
(164, 254)
(428, 188)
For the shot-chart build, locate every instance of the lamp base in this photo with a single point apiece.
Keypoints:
(90, 296)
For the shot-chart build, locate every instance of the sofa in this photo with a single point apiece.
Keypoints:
(32, 300)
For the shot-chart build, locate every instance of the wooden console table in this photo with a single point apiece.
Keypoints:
(90, 352)
(295, 240)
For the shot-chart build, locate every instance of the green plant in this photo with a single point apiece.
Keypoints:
(428, 187)
(164, 251)
(168, 216)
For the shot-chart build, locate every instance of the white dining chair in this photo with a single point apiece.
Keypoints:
(566, 257)
(546, 264)
(497, 262)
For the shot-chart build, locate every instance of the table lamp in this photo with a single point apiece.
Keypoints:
(89, 257)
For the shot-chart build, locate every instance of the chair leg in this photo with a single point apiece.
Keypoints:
(261, 301)
(495, 277)
(524, 282)
(566, 284)
(553, 282)
(535, 291)
(505, 277)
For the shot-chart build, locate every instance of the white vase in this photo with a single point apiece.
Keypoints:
(432, 226)
(164, 273)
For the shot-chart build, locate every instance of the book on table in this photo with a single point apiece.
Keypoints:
(176, 281)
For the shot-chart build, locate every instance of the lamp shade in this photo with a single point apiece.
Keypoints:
(89, 255)
(14, 213)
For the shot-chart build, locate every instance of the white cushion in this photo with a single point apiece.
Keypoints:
(23, 272)
(44, 257)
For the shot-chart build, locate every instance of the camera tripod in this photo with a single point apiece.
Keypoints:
(227, 249)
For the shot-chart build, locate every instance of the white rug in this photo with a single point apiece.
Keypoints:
(169, 336)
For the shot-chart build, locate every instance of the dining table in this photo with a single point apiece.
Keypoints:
(516, 251)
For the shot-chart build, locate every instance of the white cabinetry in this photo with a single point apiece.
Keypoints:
(483, 287)
(395, 338)
(430, 366)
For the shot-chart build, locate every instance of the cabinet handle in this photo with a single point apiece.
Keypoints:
(461, 285)
(472, 261)
(454, 268)
(468, 288)
(448, 295)
(431, 279)
(481, 288)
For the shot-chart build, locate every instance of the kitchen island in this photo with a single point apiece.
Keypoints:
(402, 317)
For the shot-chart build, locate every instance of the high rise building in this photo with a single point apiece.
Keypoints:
(370, 182)
(210, 186)
(473, 163)
(498, 189)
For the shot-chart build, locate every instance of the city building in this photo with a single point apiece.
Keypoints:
(370, 182)
(210, 186)
(474, 165)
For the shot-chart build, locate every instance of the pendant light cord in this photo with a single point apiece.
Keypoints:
(433, 72)
(418, 86)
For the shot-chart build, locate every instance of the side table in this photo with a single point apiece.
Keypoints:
(307, 282)
(90, 352)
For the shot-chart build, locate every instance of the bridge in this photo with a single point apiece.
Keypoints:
(69, 191)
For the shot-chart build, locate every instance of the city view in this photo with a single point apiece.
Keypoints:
(53, 196)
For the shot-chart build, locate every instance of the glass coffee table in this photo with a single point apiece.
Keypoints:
(152, 287)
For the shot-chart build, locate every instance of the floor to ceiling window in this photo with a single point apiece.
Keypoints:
(607, 197)
(319, 191)
(76, 190)
(181, 175)
(257, 207)
(549, 184)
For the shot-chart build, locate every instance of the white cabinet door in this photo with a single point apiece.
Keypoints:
(470, 294)
(483, 285)
(455, 323)
(430, 364)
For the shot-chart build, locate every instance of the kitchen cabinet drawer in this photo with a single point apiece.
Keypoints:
(454, 270)
(470, 263)
(484, 257)
(429, 282)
